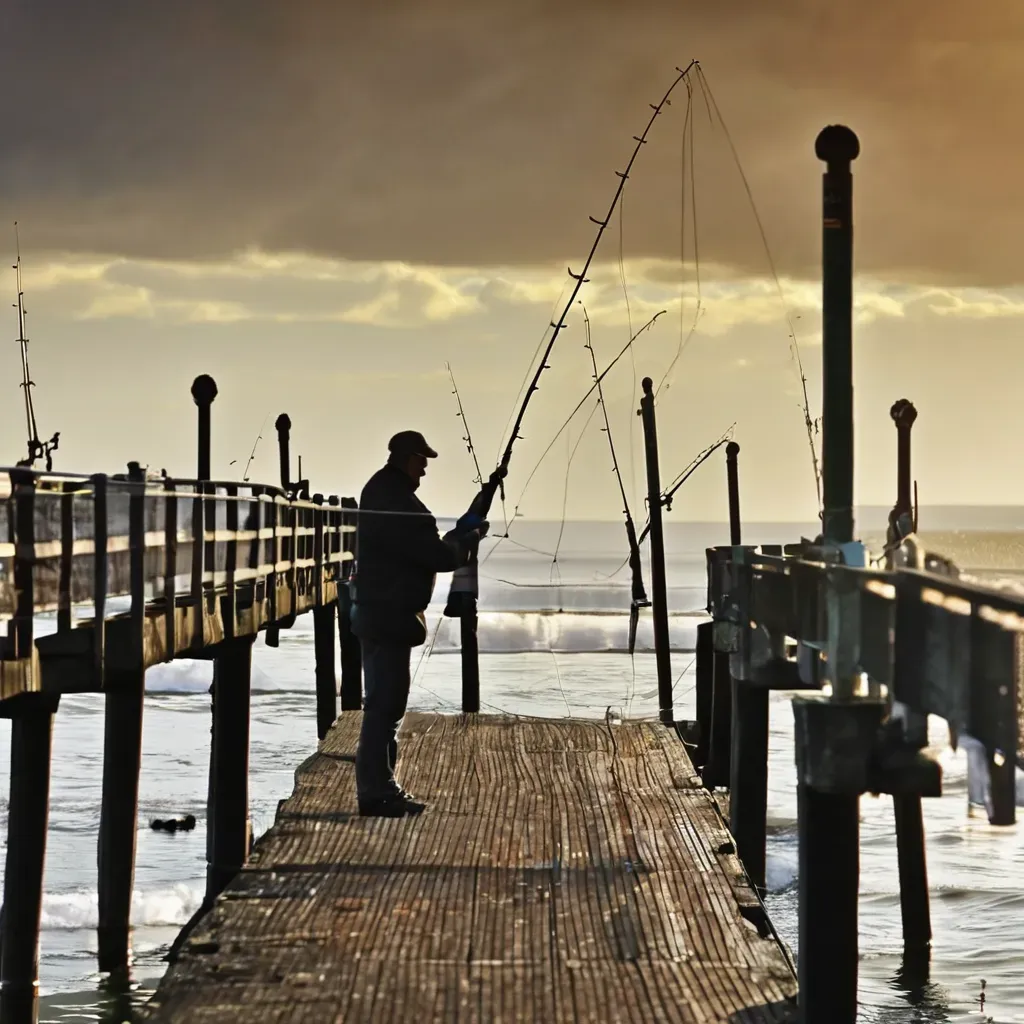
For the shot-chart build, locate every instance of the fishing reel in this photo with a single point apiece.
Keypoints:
(41, 450)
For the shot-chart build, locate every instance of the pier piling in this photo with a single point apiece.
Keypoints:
(28, 809)
(124, 690)
(470, 653)
(718, 769)
(659, 596)
(227, 816)
(748, 783)
(705, 692)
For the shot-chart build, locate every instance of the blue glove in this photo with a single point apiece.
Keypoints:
(468, 522)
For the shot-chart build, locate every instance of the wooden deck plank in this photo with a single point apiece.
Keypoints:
(565, 870)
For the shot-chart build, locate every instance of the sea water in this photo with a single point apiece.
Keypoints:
(553, 639)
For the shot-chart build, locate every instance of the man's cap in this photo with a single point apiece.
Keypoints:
(411, 442)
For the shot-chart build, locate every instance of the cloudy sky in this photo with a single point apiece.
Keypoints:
(320, 203)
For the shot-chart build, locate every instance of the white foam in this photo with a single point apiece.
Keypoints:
(569, 633)
(161, 907)
(781, 869)
(183, 675)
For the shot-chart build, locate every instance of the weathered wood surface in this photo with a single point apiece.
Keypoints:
(564, 870)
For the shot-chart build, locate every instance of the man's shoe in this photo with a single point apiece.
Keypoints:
(390, 807)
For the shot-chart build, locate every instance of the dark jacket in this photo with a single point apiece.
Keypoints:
(398, 558)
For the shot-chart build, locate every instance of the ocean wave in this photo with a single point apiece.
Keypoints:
(169, 907)
(568, 633)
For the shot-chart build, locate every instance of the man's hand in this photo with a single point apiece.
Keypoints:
(468, 523)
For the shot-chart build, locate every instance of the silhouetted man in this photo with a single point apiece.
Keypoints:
(399, 556)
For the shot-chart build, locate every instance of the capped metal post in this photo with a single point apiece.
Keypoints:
(204, 391)
(833, 736)
(838, 146)
(904, 416)
(732, 451)
(283, 424)
(659, 598)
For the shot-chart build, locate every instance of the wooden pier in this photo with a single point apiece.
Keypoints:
(564, 871)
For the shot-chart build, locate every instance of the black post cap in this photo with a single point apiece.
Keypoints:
(283, 423)
(837, 145)
(204, 389)
(903, 413)
(732, 449)
(647, 384)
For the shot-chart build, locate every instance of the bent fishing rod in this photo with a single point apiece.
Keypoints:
(581, 278)
(669, 493)
(464, 583)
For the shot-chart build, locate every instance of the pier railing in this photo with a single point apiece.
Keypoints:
(142, 570)
(102, 577)
(875, 650)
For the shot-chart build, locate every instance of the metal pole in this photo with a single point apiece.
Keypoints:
(204, 391)
(838, 147)
(829, 827)
(659, 598)
(732, 451)
(903, 415)
(284, 426)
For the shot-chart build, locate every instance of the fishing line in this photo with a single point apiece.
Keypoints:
(687, 149)
(579, 405)
(632, 356)
(794, 347)
(565, 493)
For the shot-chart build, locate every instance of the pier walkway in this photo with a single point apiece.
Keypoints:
(564, 870)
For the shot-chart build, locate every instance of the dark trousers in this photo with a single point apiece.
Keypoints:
(386, 685)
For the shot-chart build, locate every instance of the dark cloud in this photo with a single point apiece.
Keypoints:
(461, 132)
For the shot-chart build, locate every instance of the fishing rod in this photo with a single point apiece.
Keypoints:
(668, 494)
(581, 278)
(36, 449)
(639, 594)
(593, 387)
(468, 438)
(464, 582)
(252, 454)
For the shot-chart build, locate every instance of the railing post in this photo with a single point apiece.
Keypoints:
(828, 792)
(324, 618)
(28, 808)
(170, 570)
(22, 628)
(122, 758)
(705, 691)
(100, 568)
(227, 815)
(67, 555)
(204, 391)
(351, 651)
(732, 451)
(659, 597)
